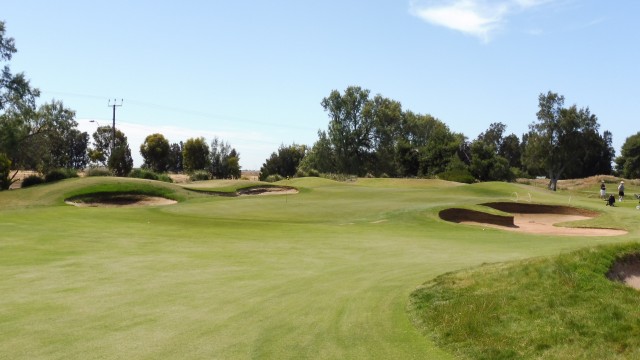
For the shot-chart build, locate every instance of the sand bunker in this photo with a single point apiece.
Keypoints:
(267, 190)
(119, 200)
(530, 218)
(626, 270)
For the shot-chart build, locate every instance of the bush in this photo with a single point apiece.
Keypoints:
(199, 175)
(313, 173)
(143, 174)
(165, 178)
(461, 176)
(32, 180)
(339, 177)
(273, 178)
(60, 174)
(97, 171)
(149, 175)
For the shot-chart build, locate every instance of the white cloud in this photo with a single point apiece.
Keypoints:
(479, 18)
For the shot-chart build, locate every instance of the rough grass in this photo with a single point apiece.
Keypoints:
(562, 307)
(323, 274)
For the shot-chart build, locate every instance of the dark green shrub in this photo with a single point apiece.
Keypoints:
(143, 174)
(60, 174)
(5, 169)
(458, 175)
(199, 175)
(339, 177)
(149, 175)
(313, 173)
(97, 171)
(273, 178)
(32, 180)
(165, 178)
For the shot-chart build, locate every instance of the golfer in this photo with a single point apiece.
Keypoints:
(603, 191)
(621, 191)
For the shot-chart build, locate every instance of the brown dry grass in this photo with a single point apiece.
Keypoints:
(592, 182)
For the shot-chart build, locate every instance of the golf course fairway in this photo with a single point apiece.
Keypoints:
(324, 273)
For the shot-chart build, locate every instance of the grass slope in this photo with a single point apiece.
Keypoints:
(325, 273)
(562, 307)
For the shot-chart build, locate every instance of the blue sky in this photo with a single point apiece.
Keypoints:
(254, 73)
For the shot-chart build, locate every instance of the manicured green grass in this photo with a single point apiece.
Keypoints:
(326, 273)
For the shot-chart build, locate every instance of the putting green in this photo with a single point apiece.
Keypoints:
(325, 273)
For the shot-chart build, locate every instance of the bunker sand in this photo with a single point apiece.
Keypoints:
(530, 218)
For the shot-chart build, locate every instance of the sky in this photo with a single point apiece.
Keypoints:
(253, 73)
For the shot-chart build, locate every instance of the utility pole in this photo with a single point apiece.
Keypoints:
(113, 138)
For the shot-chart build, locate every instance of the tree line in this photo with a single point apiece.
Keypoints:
(46, 137)
(366, 136)
(374, 136)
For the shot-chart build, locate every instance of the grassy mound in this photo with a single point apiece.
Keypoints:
(91, 187)
(552, 308)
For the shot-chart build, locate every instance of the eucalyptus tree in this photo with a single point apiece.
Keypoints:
(195, 154)
(350, 131)
(561, 139)
(155, 151)
(103, 144)
(32, 137)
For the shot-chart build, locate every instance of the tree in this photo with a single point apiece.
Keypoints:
(115, 154)
(120, 161)
(36, 139)
(557, 142)
(321, 157)
(155, 151)
(70, 150)
(487, 163)
(103, 143)
(350, 131)
(628, 163)
(285, 162)
(224, 160)
(195, 154)
(218, 158)
(40, 138)
(233, 165)
(386, 115)
(597, 156)
(175, 157)
(15, 90)
(57, 143)
(5, 170)
(511, 149)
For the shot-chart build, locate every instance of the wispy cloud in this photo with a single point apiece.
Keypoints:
(479, 18)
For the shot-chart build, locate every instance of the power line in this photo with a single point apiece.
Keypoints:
(187, 111)
(115, 104)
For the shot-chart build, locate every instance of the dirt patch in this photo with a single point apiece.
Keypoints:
(530, 218)
(119, 200)
(20, 176)
(180, 178)
(626, 270)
